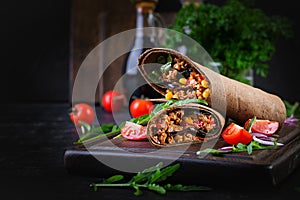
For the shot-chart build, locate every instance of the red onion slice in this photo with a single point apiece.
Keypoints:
(266, 142)
(259, 135)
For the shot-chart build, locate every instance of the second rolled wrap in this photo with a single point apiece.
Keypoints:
(240, 101)
(184, 124)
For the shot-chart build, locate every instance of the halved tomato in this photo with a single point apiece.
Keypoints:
(263, 126)
(234, 134)
(133, 131)
(246, 137)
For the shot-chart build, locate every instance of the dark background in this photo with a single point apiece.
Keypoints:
(35, 50)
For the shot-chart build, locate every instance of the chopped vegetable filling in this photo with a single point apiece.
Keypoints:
(181, 126)
(182, 80)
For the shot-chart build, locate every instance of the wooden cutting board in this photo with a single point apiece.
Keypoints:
(263, 167)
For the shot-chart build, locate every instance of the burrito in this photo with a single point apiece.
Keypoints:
(184, 124)
(176, 76)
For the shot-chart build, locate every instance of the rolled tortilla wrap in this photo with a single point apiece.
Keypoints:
(185, 124)
(242, 101)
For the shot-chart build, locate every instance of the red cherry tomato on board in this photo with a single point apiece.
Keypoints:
(234, 134)
(139, 107)
(133, 131)
(112, 100)
(263, 126)
(82, 112)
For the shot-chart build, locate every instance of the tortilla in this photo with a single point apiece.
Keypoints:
(242, 101)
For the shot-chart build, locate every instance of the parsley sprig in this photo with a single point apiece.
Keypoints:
(149, 179)
(236, 34)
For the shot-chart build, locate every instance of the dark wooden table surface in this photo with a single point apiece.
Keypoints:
(34, 138)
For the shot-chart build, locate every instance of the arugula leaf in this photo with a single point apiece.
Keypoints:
(157, 188)
(146, 173)
(213, 151)
(164, 174)
(114, 178)
(253, 145)
(137, 190)
(85, 125)
(251, 124)
(187, 101)
(249, 148)
(149, 178)
(179, 187)
(292, 108)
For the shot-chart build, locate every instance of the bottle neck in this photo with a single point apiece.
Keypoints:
(144, 16)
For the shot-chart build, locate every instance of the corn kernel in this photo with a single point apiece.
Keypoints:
(204, 83)
(206, 93)
(175, 96)
(182, 81)
(169, 95)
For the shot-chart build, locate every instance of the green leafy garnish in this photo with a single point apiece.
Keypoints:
(149, 179)
(251, 124)
(292, 108)
(187, 101)
(253, 145)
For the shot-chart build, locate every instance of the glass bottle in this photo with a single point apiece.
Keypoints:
(134, 84)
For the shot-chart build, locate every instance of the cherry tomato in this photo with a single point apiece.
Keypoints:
(234, 134)
(112, 100)
(263, 126)
(139, 107)
(82, 112)
(133, 131)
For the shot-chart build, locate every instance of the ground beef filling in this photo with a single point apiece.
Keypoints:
(181, 126)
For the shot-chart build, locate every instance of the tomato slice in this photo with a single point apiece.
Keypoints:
(263, 126)
(231, 134)
(234, 134)
(246, 137)
(133, 131)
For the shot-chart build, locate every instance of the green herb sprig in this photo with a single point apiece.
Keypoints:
(149, 179)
